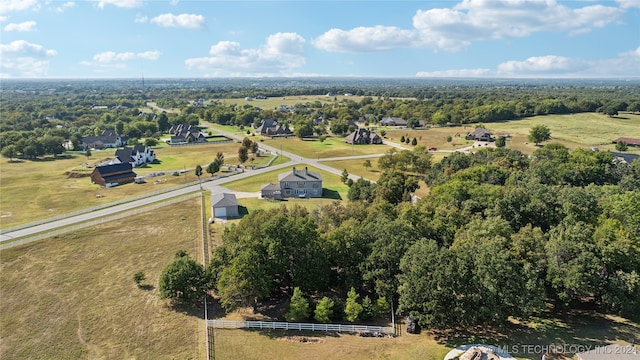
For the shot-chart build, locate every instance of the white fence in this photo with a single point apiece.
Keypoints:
(226, 324)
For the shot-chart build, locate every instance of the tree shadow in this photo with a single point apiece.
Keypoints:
(242, 212)
(331, 194)
(195, 310)
(15, 161)
(146, 287)
(582, 328)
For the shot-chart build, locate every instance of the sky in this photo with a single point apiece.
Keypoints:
(60, 39)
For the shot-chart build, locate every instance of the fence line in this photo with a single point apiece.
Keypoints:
(51, 233)
(201, 143)
(227, 324)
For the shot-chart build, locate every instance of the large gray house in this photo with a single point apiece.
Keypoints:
(296, 183)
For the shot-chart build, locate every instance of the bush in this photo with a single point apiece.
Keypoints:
(352, 309)
(621, 146)
(298, 308)
(324, 310)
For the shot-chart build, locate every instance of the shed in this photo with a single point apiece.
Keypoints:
(224, 205)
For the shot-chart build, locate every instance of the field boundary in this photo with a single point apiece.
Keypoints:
(97, 221)
(268, 325)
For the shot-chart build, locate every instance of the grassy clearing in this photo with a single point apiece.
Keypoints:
(331, 147)
(435, 137)
(73, 296)
(240, 344)
(330, 182)
(355, 167)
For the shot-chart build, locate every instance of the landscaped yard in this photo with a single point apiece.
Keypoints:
(333, 187)
(73, 296)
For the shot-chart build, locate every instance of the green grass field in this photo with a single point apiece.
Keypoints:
(331, 147)
(73, 296)
(356, 167)
(330, 182)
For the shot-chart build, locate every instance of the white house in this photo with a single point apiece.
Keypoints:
(136, 156)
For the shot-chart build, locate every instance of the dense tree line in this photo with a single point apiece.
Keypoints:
(36, 109)
(500, 235)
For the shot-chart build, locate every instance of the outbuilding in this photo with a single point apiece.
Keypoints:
(224, 205)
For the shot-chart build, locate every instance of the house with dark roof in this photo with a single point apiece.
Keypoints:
(480, 134)
(224, 205)
(363, 136)
(296, 183)
(108, 139)
(393, 121)
(136, 156)
(186, 133)
(270, 127)
(112, 175)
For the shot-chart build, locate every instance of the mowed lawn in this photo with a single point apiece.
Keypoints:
(330, 148)
(73, 296)
(331, 183)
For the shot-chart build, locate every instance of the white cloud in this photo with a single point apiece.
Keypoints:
(17, 5)
(65, 6)
(188, 21)
(624, 65)
(472, 20)
(281, 54)
(120, 3)
(141, 19)
(462, 73)
(626, 4)
(24, 59)
(21, 27)
(365, 39)
(4, 18)
(111, 56)
(548, 64)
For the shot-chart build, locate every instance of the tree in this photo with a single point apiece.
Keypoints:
(255, 148)
(246, 142)
(367, 164)
(402, 139)
(243, 155)
(9, 151)
(539, 133)
(352, 308)
(621, 146)
(368, 309)
(87, 153)
(382, 306)
(198, 174)
(219, 159)
(501, 141)
(324, 310)
(414, 142)
(139, 277)
(150, 142)
(298, 307)
(183, 280)
(213, 168)
(383, 133)
(345, 176)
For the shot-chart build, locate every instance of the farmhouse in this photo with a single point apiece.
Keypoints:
(270, 127)
(112, 175)
(297, 183)
(136, 156)
(108, 139)
(363, 136)
(393, 121)
(628, 141)
(479, 134)
(224, 205)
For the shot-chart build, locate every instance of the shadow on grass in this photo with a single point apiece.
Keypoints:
(196, 310)
(580, 328)
(278, 334)
(331, 194)
(146, 287)
(51, 158)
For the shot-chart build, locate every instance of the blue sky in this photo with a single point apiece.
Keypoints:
(208, 39)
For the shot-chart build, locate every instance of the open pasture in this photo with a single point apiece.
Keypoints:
(73, 296)
(329, 148)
